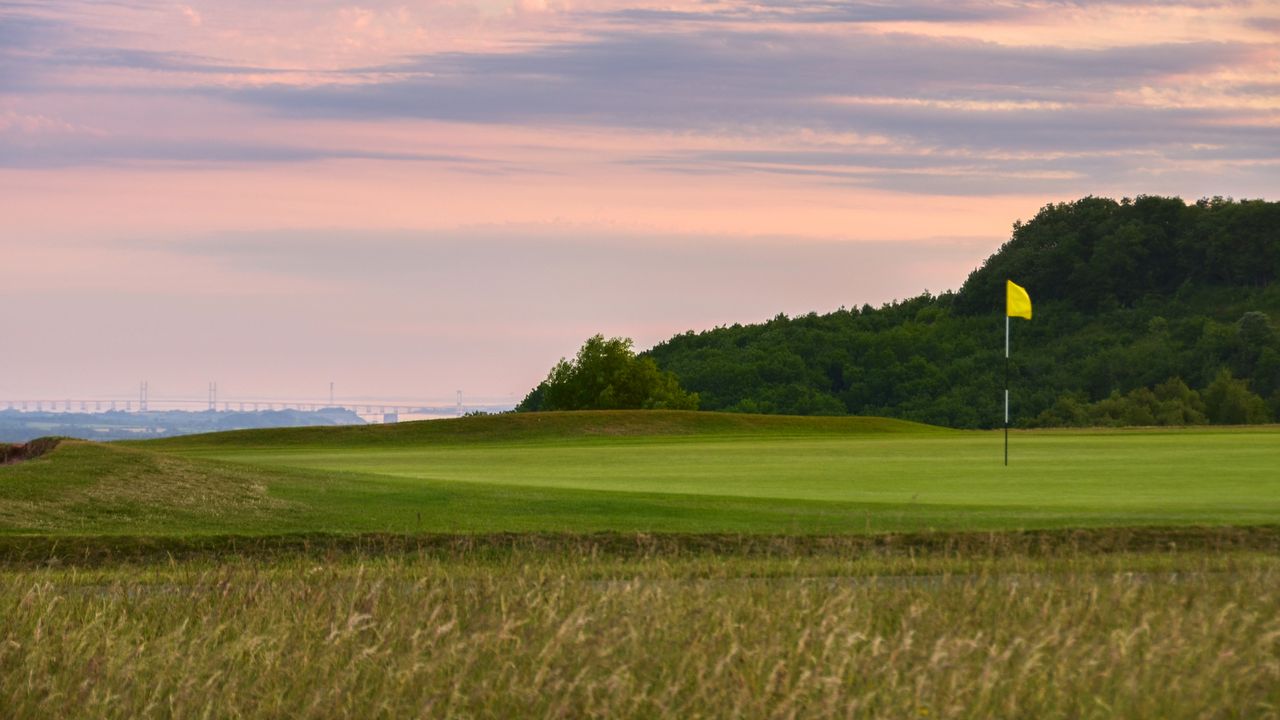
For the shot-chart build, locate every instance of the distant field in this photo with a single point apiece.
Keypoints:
(646, 471)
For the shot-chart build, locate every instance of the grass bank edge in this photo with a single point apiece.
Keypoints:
(91, 550)
(582, 425)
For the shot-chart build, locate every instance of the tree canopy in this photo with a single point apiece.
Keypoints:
(607, 375)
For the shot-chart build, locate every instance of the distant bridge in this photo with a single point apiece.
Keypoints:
(359, 407)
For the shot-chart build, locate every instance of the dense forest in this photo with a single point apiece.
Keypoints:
(1148, 311)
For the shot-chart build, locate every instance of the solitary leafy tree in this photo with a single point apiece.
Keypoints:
(607, 375)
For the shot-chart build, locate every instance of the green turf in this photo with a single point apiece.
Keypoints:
(638, 471)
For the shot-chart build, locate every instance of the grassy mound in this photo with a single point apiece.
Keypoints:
(105, 489)
(545, 427)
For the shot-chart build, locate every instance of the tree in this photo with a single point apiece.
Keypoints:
(607, 375)
(1178, 404)
(1229, 402)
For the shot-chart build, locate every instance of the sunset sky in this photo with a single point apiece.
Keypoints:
(414, 198)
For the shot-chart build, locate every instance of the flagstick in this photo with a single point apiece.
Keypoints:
(1006, 389)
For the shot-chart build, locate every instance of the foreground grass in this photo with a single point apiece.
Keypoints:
(527, 633)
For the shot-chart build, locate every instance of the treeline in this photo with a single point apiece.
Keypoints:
(1147, 311)
(1227, 401)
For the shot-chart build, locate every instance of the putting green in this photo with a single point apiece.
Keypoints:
(1210, 472)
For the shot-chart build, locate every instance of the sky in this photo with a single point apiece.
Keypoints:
(410, 199)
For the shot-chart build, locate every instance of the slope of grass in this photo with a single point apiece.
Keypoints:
(552, 427)
(83, 487)
(768, 481)
(645, 472)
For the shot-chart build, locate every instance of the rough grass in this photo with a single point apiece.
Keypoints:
(90, 551)
(532, 634)
(89, 487)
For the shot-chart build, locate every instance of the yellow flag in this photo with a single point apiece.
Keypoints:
(1017, 301)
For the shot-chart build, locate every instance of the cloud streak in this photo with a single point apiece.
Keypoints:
(751, 72)
(736, 77)
(58, 149)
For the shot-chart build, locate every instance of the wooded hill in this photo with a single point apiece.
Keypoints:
(1148, 311)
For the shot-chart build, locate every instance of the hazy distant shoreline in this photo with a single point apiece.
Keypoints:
(21, 426)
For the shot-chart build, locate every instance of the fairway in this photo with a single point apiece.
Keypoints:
(646, 471)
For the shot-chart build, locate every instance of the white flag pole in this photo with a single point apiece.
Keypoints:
(1006, 387)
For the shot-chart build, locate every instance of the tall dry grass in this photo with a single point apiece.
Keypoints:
(559, 635)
